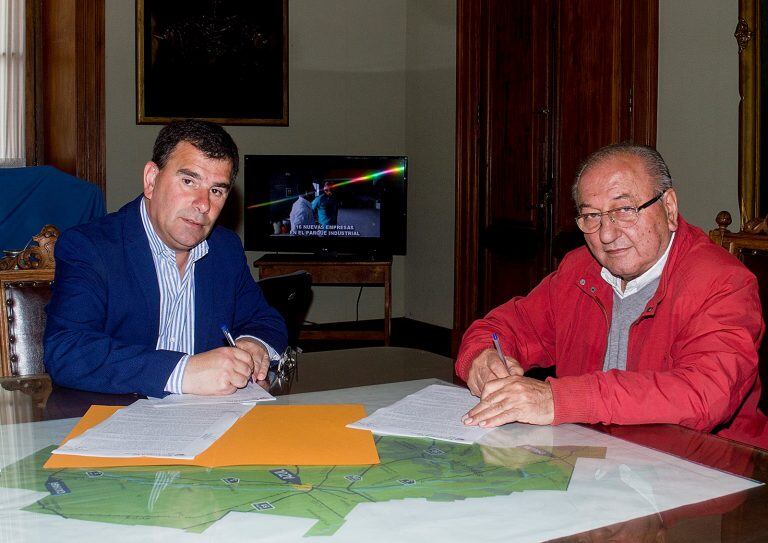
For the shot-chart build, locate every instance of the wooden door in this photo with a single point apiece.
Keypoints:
(515, 139)
(65, 119)
(540, 85)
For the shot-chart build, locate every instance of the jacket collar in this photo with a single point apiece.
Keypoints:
(592, 282)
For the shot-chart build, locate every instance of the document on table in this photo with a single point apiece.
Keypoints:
(248, 395)
(434, 412)
(143, 430)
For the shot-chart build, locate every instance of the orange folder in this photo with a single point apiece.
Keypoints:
(306, 435)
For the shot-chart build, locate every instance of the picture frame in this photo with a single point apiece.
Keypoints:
(221, 61)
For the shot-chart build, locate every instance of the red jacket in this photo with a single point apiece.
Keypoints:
(692, 354)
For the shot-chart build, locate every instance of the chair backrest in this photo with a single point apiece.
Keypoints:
(290, 295)
(24, 294)
(750, 245)
(25, 288)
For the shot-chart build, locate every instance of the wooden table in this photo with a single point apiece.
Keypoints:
(338, 271)
(737, 517)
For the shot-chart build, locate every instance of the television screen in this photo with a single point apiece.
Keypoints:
(320, 203)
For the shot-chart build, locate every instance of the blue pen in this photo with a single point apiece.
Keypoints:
(227, 335)
(496, 344)
(230, 339)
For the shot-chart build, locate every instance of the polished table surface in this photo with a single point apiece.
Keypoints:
(739, 517)
(33, 398)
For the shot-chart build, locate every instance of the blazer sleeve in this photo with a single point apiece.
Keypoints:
(78, 350)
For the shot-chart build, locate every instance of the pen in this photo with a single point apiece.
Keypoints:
(496, 344)
(230, 340)
(227, 335)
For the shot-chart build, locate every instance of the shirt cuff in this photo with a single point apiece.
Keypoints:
(270, 351)
(173, 385)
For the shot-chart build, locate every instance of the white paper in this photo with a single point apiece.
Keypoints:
(249, 395)
(433, 412)
(141, 430)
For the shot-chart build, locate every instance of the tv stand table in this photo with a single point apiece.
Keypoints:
(339, 270)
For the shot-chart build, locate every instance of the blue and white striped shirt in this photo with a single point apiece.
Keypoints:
(177, 302)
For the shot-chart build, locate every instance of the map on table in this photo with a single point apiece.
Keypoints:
(192, 498)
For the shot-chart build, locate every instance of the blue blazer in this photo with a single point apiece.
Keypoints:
(104, 314)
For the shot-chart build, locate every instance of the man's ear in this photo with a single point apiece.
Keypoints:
(669, 201)
(150, 174)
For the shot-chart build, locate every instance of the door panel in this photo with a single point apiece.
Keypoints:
(591, 99)
(513, 236)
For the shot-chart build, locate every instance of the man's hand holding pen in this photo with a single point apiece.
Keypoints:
(259, 354)
(487, 367)
(505, 394)
(259, 357)
(218, 371)
(222, 371)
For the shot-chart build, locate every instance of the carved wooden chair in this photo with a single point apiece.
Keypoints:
(750, 245)
(25, 288)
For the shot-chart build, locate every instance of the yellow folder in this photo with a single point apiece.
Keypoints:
(306, 435)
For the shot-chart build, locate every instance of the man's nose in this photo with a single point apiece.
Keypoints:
(202, 201)
(609, 230)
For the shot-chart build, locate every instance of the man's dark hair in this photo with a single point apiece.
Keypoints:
(208, 137)
(655, 166)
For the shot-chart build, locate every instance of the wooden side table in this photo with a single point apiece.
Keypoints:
(338, 271)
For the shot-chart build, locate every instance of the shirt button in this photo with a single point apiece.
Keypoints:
(582, 282)
(172, 340)
(593, 289)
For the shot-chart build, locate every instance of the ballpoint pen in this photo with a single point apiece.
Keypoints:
(499, 352)
(227, 335)
(231, 341)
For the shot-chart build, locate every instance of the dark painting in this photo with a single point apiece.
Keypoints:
(220, 60)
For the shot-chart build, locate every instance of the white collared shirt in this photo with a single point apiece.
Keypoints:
(639, 282)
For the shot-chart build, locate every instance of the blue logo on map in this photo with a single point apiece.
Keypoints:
(286, 476)
(56, 486)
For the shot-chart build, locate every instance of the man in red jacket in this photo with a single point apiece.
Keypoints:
(649, 323)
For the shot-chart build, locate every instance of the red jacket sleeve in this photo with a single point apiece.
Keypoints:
(525, 326)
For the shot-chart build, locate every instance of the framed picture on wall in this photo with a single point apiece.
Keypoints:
(220, 60)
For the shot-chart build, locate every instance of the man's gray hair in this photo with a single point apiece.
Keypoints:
(655, 166)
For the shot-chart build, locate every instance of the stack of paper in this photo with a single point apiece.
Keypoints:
(141, 429)
(433, 412)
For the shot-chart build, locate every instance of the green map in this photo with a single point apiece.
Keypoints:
(193, 498)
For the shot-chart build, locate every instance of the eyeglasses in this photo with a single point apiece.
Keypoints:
(623, 217)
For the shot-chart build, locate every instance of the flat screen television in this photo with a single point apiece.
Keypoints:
(326, 204)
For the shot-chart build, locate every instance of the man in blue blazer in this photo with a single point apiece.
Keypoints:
(140, 295)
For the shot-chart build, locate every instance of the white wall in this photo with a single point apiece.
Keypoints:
(698, 105)
(347, 95)
(430, 136)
